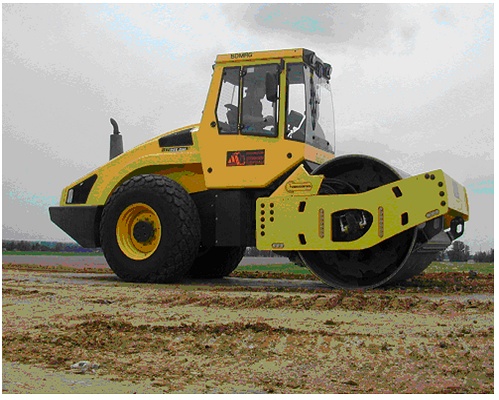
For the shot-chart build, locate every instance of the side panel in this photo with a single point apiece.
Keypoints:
(235, 212)
(227, 217)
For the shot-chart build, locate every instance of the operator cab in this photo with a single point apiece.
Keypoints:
(249, 101)
(266, 111)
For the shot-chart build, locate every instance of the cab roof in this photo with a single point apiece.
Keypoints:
(262, 55)
(296, 55)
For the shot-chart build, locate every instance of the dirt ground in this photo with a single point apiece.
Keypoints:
(434, 334)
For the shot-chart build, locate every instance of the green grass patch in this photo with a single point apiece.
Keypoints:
(436, 266)
(282, 268)
(442, 266)
(289, 268)
(49, 253)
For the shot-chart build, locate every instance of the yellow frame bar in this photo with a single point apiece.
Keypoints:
(284, 216)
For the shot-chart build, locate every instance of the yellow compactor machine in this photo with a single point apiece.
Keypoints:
(260, 170)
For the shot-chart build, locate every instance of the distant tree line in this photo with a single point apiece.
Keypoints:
(25, 245)
(458, 251)
(484, 256)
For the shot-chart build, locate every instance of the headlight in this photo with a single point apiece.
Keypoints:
(69, 198)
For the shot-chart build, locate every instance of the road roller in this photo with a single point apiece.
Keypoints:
(259, 170)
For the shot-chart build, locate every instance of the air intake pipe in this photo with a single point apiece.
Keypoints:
(116, 144)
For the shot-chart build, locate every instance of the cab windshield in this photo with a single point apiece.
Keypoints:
(310, 116)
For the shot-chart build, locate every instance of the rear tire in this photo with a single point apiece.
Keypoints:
(150, 230)
(217, 262)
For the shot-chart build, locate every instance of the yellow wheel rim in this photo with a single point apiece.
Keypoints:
(138, 231)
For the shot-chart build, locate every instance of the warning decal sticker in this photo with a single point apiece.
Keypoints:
(245, 157)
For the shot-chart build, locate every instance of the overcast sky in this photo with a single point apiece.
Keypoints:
(412, 85)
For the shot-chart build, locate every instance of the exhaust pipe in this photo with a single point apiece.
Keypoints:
(116, 145)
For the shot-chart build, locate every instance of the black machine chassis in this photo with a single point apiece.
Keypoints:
(79, 222)
(227, 219)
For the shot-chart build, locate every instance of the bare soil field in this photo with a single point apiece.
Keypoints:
(249, 333)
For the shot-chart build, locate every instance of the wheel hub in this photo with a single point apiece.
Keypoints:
(143, 231)
(138, 231)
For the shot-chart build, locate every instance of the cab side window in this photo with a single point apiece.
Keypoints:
(296, 103)
(228, 101)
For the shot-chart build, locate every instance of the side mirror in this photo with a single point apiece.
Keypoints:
(271, 87)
